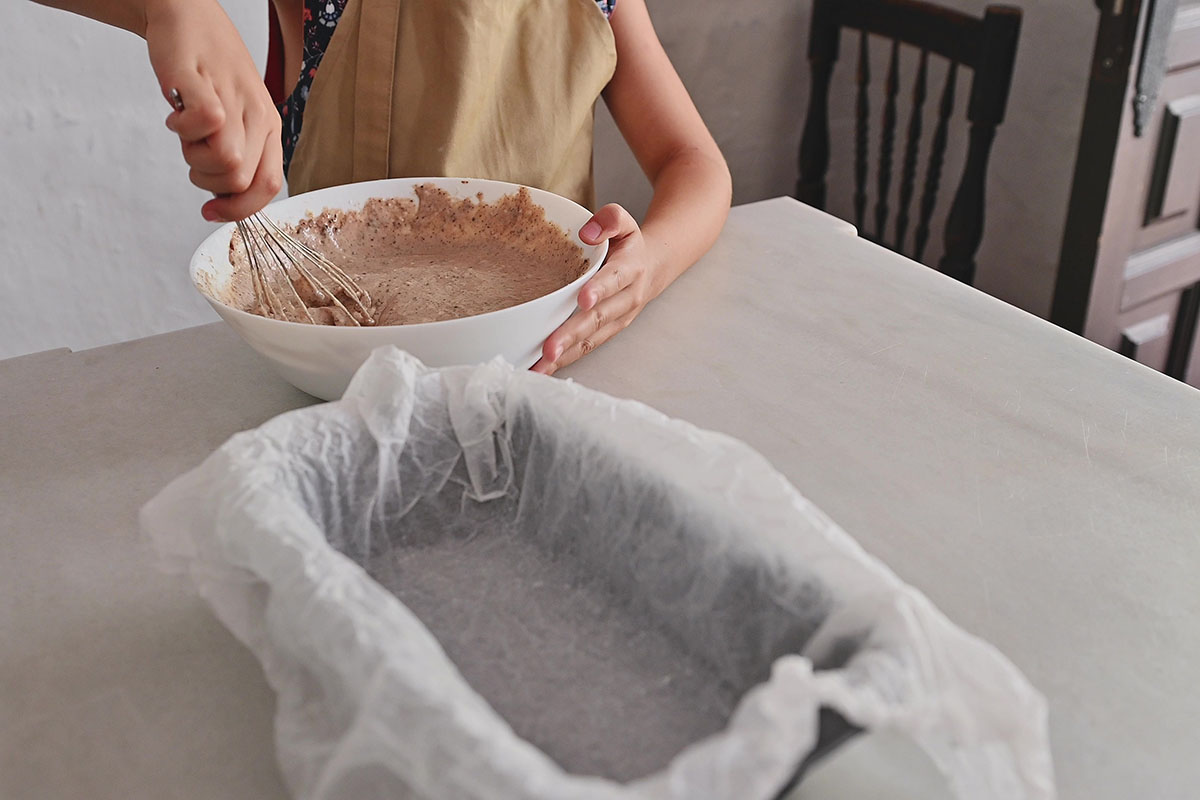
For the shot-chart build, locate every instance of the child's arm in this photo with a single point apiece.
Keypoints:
(230, 128)
(691, 193)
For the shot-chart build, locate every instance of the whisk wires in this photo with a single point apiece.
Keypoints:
(280, 261)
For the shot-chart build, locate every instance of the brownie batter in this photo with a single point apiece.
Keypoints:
(434, 258)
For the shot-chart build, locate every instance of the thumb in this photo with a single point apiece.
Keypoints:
(610, 222)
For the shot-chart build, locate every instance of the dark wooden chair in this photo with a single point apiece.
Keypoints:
(986, 45)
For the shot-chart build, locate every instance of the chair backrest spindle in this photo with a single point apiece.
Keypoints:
(887, 143)
(937, 156)
(912, 150)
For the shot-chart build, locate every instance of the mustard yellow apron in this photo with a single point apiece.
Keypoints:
(499, 89)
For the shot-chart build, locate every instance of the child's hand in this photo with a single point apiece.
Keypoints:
(612, 298)
(229, 128)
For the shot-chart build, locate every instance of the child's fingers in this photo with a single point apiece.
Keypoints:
(266, 183)
(202, 114)
(585, 345)
(234, 182)
(610, 222)
(610, 301)
(582, 329)
(223, 153)
(225, 163)
(611, 279)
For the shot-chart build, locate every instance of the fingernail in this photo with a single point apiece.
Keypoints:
(591, 230)
(211, 215)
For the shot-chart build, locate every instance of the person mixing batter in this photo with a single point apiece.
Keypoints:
(499, 89)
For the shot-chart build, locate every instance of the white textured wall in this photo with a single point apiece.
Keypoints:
(98, 220)
(97, 217)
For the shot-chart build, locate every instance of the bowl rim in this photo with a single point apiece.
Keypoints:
(226, 232)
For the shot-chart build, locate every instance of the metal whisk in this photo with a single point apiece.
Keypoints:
(282, 266)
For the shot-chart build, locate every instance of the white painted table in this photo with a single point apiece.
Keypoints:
(1044, 492)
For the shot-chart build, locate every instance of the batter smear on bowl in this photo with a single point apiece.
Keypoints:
(434, 258)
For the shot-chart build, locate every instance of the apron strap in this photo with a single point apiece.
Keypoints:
(380, 22)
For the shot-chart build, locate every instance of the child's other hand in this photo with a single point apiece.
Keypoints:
(229, 128)
(612, 298)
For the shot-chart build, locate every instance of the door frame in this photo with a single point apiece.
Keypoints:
(1103, 117)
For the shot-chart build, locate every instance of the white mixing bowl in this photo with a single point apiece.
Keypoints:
(320, 359)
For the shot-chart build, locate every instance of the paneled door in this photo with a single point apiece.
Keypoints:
(1129, 275)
